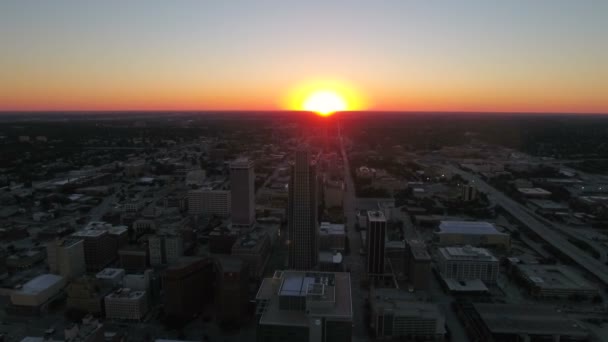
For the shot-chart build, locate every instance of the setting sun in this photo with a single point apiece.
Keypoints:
(324, 97)
(324, 102)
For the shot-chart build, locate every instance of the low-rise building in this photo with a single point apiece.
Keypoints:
(305, 306)
(36, 294)
(395, 315)
(465, 263)
(254, 249)
(554, 281)
(110, 277)
(519, 322)
(126, 304)
(85, 294)
(332, 237)
(417, 264)
(472, 233)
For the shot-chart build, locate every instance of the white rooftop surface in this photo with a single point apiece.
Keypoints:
(468, 227)
(109, 273)
(40, 283)
(466, 253)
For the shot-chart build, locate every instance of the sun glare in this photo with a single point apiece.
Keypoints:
(324, 97)
(324, 102)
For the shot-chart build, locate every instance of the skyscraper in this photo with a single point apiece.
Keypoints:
(302, 212)
(242, 182)
(376, 232)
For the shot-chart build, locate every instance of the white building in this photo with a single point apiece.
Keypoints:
(165, 248)
(465, 263)
(209, 202)
(126, 304)
(66, 257)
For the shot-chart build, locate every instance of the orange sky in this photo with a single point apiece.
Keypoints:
(542, 56)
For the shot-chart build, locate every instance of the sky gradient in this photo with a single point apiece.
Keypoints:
(486, 55)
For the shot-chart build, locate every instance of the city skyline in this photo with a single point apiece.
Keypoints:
(470, 56)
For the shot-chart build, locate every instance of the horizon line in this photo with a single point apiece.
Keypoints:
(102, 111)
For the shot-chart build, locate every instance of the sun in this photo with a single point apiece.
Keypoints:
(324, 102)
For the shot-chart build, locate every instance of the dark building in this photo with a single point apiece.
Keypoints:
(302, 213)
(417, 264)
(221, 240)
(376, 233)
(187, 286)
(232, 285)
(518, 322)
(99, 248)
(133, 258)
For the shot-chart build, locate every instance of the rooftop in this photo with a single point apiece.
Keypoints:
(554, 277)
(327, 228)
(527, 319)
(418, 249)
(40, 283)
(84, 233)
(375, 216)
(126, 293)
(534, 191)
(468, 227)
(108, 273)
(333, 288)
(402, 304)
(466, 253)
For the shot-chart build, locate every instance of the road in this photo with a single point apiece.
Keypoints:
(354, 261)
(584, 260)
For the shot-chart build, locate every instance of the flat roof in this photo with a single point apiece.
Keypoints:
(554, 277)
(467, 253)
(403, 304)
(109, 273)
(533, 191)
(549, 205)
(300, 283)
(89, 233)
(40, 283)
(468, 228)
(126, 293)
(527, 319)
(471, 285)
(418, 249)
(326, 228)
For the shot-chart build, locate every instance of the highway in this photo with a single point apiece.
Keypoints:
(517, 210)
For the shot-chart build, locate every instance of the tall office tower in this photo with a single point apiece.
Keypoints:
(302, 213)
(376, 232)
(242, 183)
